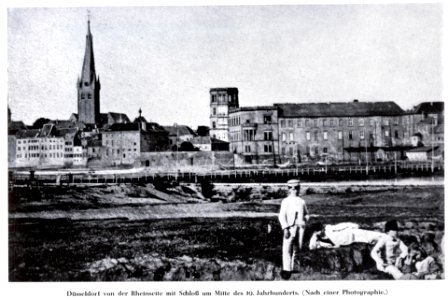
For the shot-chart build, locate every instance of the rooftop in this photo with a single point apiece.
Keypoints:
(338, 109)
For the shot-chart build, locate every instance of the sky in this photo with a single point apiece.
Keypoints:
(164, 60)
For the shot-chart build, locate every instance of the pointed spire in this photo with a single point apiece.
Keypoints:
(88, 67)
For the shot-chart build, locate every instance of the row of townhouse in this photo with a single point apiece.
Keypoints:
(342, 131)
(45, 147)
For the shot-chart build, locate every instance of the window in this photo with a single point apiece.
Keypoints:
(213, 124)
(283, 150)
(325, 135)
(339, 135)
(372, 122)
(267, 119)
(291, 136)
(350, 122)
(396, 121)
(361, 134)
(268, 148)
(350, 135)
(83, 96)
(325, 150)
(214, 111)
(283, 137)
(308, 136)
(371, 135)
(386, 133)
(247, 148)
(340, 122)
(249, 134)
(290, 123)
(282, 123)
(291, 151)
(89, 95)
(315, 136)
(268, 135)
(324, 122)
(396, 134)
(307, 122)
(299, 123)
(331, 122)
(18, 148)
(386, 122)
(316, 122)
(361, 122)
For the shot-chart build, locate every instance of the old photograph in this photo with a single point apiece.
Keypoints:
(225, 143)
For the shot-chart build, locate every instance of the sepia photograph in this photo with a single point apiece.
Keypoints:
(225, 143)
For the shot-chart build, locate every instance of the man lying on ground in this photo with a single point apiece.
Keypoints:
(342, 234)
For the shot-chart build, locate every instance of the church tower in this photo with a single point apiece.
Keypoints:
(89, 86)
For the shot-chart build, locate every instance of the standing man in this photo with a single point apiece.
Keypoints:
(293, 216)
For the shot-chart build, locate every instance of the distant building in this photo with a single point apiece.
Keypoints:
(48, 147)
(342, 130)
(179, 134)
(423, 153)
(124, 143)
(207, 143)
(221, 101)
(253, 132)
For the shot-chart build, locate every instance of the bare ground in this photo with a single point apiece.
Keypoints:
(97, 235)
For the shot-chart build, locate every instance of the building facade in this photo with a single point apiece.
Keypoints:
(253, 132)
(221, 101)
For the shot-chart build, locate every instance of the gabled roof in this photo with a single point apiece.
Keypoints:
(67, 133)
(179, 130)
(338, 109)
(28, 133)
(47, 130)
(118, 117)
(429, 107)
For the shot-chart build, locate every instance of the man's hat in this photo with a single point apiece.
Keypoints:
(391, 225)
(293, 182)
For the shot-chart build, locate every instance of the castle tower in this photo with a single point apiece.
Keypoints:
(221, 101)
(89, 86)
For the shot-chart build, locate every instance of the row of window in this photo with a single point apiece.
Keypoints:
(86, 96)
(116, 143)
(20, 141)
(45, 155)
(35, 147)
(267, 148)
(216, 98)
(332, 122)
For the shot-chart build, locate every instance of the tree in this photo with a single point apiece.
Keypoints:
(39, 123)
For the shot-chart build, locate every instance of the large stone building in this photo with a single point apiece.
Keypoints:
(124, 143)
(340, 131)
(89, 86)
(253, 132)
(221, 101)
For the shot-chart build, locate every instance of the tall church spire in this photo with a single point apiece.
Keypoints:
(88, 67)
(89, 85)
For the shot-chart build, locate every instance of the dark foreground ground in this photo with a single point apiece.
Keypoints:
(230, 247)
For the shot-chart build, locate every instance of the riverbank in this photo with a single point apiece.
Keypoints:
(128, 238)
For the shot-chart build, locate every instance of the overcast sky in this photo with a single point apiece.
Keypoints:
(165, 59)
